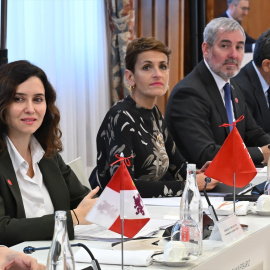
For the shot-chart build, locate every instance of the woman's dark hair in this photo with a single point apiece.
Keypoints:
(15, 73)
(136, 46)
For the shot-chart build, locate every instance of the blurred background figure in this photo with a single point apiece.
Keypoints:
(237, 10)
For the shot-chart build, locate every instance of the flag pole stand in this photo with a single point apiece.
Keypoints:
(122, 243)
(234, 193)
(122, 220)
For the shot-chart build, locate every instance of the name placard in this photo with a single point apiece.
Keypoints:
(230, 228)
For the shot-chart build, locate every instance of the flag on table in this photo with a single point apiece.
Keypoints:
(232, 158)
(106, 211)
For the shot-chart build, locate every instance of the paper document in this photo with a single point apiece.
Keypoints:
(106, 256)
(225, 208)
(96, 232)
(166, 201)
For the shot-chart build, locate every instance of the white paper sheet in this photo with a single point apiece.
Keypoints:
(106, 256)
(96, 232)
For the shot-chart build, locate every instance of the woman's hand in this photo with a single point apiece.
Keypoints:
(84, 207)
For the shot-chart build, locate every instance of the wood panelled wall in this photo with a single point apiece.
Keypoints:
(257, 21)
(164, 20)
(168, 21)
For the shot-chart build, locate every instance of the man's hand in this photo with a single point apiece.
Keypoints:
(11, 260)
(266, 153)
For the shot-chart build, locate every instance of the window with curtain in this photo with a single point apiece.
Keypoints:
(68, 40)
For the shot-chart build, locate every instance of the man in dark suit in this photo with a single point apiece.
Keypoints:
(196, 106)
(254, 79)
(237, 10)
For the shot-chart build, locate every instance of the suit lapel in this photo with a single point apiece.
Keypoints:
(214, 93)
(55, 183)
(7, 170)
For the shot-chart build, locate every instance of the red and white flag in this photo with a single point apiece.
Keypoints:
(232, 158)
(106, 211)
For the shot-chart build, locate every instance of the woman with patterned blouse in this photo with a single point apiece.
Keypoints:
(135, 127)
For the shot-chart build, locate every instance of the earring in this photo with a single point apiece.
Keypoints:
(132, 87)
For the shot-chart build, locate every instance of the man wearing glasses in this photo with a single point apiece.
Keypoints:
(237, 10)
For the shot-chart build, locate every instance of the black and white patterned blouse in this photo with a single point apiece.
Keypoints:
(157, 167)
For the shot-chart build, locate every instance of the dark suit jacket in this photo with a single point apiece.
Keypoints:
(65, 190)
(249, 82)
(249, 39)
(194, 112)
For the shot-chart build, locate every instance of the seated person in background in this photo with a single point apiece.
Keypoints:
(10, 259)
(237, 10)
(34, 180)
(196, 105)
(254, 79)
(135, 127)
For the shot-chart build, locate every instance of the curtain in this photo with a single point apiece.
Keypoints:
(121, 20)
(68, 40)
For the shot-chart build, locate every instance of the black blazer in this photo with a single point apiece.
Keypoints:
(194, 112)
(249, 82)
(65, 190)
(249, 39)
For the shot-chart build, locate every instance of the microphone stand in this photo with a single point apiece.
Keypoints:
(94, 262)
(210, 206)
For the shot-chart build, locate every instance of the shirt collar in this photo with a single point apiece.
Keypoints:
(219, 81)
(229, 15)
(37, 152)
(264, 84)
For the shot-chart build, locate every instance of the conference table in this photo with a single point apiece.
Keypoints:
(250, 252)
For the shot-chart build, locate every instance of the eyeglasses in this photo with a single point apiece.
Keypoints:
(245, 8)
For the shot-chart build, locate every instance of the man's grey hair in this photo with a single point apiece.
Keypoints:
(222, 25)
(234, 2)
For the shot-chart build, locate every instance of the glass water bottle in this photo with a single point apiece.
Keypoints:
(189, 228)
(60, 256)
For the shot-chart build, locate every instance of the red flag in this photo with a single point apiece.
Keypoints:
(233, 157)
(106, 211)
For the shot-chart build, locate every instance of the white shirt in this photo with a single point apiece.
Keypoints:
(263, 82)
(36, 199)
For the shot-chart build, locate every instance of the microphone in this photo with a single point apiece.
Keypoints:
(210, 206)
(94, 262)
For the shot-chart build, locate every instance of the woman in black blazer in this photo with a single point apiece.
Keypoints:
(34, 180)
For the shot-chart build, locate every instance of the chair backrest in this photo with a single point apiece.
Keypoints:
(78, 168)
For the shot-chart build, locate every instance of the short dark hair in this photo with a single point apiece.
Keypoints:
(15, 73)
(262, 48)
(136, 46)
